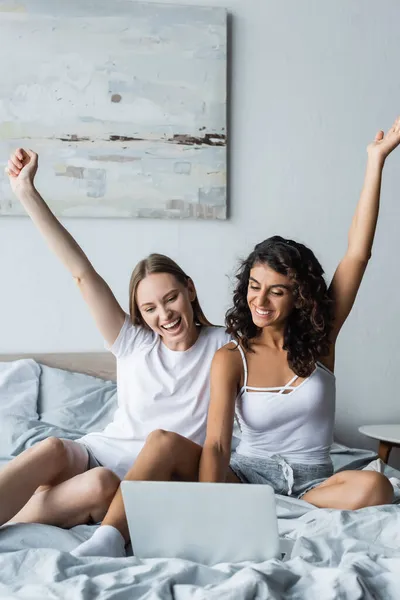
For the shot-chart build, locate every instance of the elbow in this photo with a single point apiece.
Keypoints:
(218, 453)
(362, 256)
(79, 281)
(363, 260)
(214, 448)
(82, 276)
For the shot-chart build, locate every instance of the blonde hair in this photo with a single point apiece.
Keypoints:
(158, 263)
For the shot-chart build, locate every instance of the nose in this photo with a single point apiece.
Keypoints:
(165, 313)
(263, 299)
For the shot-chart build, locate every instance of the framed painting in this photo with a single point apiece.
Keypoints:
(125, 103)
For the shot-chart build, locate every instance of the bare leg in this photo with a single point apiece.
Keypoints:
(76, 501)
(166, 456)
(47, 463)
(351, 490)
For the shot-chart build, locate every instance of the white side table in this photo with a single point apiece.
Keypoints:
(387, 435)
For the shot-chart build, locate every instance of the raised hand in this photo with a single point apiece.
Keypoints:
(21, 169)
(384, 144)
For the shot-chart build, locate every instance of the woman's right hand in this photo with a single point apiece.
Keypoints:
(21, 169)
(384, 144)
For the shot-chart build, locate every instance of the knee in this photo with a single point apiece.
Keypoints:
(382, 489)
(56, 449)
(162, 440)
(373, 489)
(102, 485)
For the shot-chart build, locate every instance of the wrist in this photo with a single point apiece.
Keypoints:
(25, 189)
(376, 161)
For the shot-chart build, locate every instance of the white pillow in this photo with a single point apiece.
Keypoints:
(19, 388)
(75, 401)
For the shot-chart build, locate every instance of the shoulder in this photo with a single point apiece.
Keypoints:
(228, 357)
(227, 368)
(130, 338)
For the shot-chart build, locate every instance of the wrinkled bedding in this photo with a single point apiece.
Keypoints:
(336, 554)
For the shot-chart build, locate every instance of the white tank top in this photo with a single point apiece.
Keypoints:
(295, 423)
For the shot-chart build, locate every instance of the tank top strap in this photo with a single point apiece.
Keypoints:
(244, 364)
(285, 387)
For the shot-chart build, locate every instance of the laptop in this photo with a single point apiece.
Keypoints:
(208, 523)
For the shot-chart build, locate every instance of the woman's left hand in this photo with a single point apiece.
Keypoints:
(383, 144)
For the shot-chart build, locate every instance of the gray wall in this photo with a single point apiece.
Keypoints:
(312, 81)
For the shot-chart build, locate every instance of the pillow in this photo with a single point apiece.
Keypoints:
(19, 433)
(37, 402)
(19, 388)
(75, 401)
(19, 385)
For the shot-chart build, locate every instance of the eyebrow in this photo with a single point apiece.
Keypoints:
(275, 285)
(165, 296)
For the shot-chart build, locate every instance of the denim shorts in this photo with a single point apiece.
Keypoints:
(286, 479)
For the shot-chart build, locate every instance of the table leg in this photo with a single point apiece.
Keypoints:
(384, 451)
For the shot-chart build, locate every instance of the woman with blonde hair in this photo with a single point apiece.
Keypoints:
(164, 350)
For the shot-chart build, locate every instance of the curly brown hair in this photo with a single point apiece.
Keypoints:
(309, 325)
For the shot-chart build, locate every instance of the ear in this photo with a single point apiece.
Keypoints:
(191, 290)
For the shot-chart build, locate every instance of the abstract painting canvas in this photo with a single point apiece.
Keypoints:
(125, 103)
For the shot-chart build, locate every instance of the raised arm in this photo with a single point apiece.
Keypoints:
(224, 382)
(104, 307)
(349, 273)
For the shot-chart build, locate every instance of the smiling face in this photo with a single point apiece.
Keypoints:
(269, 296)
(165, 305)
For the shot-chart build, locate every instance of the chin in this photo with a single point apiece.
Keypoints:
(180, 337)
(262, 325)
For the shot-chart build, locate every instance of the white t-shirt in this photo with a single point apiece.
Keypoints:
(158, 388)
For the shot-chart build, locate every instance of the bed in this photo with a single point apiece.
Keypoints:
(336, 554)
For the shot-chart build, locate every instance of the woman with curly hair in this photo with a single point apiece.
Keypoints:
(277, 375)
